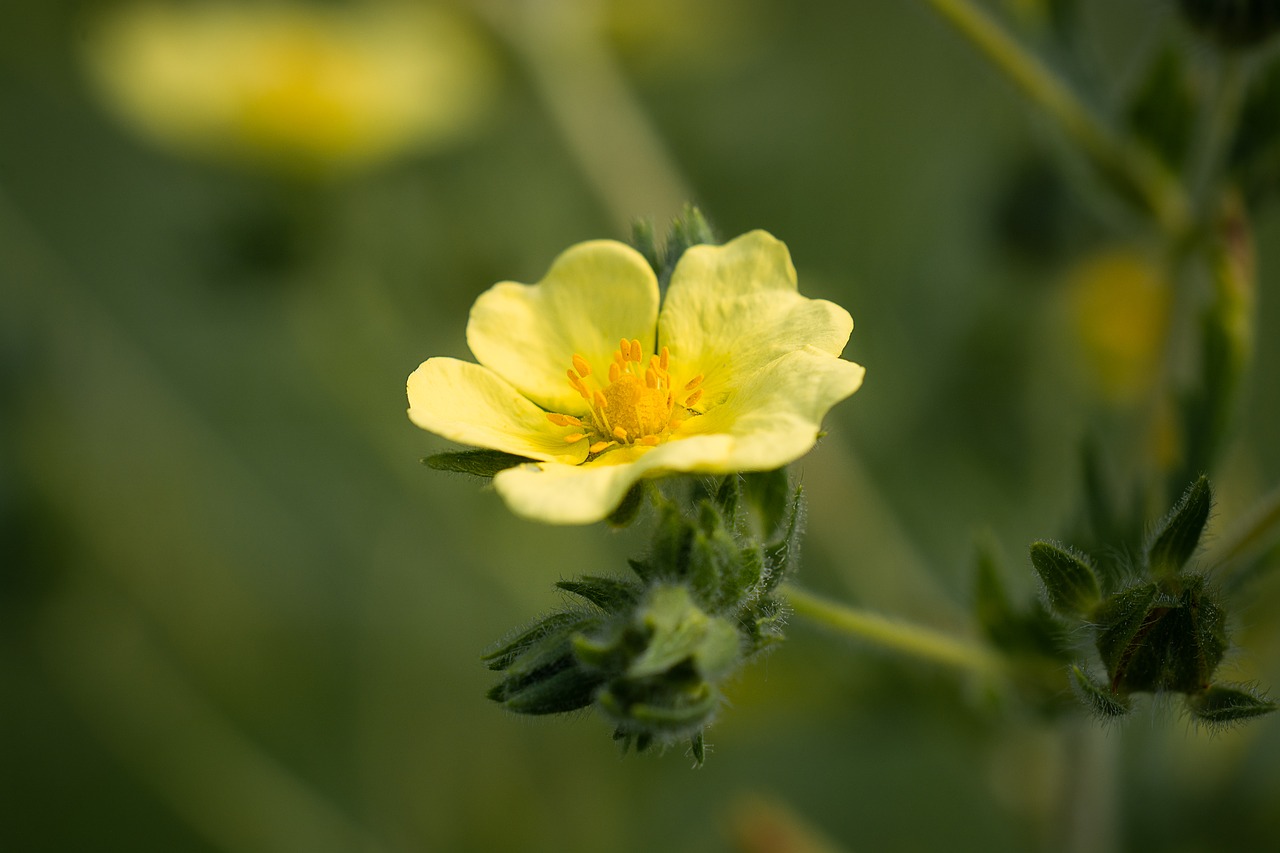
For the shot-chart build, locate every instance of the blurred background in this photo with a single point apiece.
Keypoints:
(236, 613)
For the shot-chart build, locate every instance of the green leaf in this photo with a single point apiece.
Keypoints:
(1163, 110)
(1178, 536)
(1068, 579)
(1221, 705)
(645, 240)
(1102, 702)
(478, 463)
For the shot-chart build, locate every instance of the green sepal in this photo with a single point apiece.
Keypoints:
(1069, 580)
(658, 710)
(1162, 113)
(688, 229)
(770, 494)
(782, 554)
(680, 631)
(761, 623)
(627, 511)
(478, 463)
(1102, 702)
(711, 563)
(1221, 704)
(644, 238)
(558, 625)
(609, 594)
(556, 688)
(1152, 639)
(1178, 536)
(1030, 631)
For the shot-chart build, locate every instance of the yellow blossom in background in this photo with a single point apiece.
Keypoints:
(586, 374)
(300, 87)
(1119, 302)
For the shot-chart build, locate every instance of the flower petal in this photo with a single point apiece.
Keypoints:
(583, 494)
(733, 309)
(594, 294)
(470, 404)
(775, 417)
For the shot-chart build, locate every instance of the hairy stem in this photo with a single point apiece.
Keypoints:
(894, 635)
(1160, 190)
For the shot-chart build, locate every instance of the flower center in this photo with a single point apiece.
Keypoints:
(637, 405)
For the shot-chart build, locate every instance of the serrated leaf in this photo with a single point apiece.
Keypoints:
(478, 463)
(1178, 536)
(1068, 579)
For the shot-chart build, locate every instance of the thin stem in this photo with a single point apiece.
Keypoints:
(1159, 189)
(588, 97)
(895, 635)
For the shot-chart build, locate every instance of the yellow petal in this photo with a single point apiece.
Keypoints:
(595, 294)
(733, 309)
(470, 404)
(775, 417)
(584, 494)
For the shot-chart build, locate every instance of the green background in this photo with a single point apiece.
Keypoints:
(236, 613)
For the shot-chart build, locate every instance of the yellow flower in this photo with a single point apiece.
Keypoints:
(290, 85)
(1119, 301)
(583, 373)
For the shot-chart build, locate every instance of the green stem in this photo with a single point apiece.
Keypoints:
(1160, 190)
(895, 635)
(593, 106)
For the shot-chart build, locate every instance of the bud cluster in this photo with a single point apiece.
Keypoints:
(651, 651)
(1161, 629)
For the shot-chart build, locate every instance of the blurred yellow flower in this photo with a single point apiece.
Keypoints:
(1119, 301)
(585, 374)
(299, 87)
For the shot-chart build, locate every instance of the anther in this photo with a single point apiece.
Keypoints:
(600, 401)
(665, 360)
(574, 438)
(576, 381)
(648, 440)
(580, 364)
(599, 446)
(693, 398)
(619, 433)
(563, 420)
(635, 351)
(615, 371)
(693, 383)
